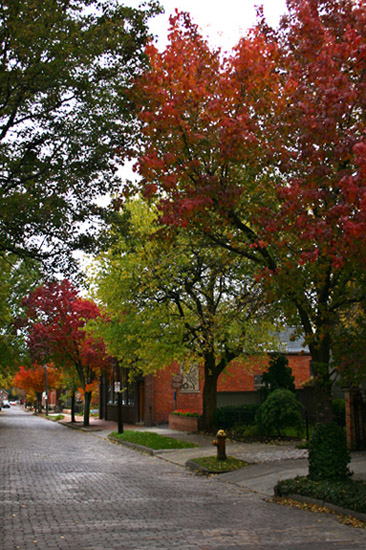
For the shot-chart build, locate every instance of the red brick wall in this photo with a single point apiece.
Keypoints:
(355, 416)
(237, 377)
(300, 365)
(163, 394)
(52, 398)
(183, 423)
(240, 376)
(349, 421)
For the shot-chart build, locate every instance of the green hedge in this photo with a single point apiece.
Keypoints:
(228, 417)
(350, 494)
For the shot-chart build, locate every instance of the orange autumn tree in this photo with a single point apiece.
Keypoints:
(264, 151)
(32, 381)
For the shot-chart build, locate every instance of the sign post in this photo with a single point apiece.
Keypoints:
(177, 381)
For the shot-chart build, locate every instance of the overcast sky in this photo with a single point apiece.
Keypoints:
(221, 21)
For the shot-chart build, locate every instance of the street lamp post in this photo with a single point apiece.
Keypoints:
(46, 390)
(118, 388)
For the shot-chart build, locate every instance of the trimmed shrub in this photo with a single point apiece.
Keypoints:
(186, 412)
(228, 417)
(328, 453)
(244, 430)
(280, 410)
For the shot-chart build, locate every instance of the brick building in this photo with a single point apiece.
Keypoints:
(355, 401)
(150, 399)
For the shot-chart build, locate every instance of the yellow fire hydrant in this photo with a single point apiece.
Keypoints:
(220, 443)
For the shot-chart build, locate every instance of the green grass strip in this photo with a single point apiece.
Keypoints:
(213, 465)
(55, 418)
(152, 440)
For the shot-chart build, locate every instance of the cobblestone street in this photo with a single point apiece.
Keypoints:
(66, 489)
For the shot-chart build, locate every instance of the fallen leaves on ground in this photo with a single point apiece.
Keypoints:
(319, 509)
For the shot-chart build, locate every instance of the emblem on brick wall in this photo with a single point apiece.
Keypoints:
(191, 379)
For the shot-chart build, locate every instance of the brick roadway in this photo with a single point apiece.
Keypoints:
(65, 489)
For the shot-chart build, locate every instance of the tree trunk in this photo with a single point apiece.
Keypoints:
(323, 400)
(320, 354)
(101, 397)
(73, 406)
(38, 406)
(209, 393)
(87, 401)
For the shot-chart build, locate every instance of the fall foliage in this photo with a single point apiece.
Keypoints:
(264, 152)
(56, 320)
(32, 380)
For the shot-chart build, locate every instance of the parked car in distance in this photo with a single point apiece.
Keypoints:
(6, 404)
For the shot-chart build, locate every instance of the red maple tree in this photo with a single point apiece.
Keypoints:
(57, 317)
(265, 151)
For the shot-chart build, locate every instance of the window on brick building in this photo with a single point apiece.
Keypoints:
(258, 381)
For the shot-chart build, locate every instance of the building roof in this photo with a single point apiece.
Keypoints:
(288, 343)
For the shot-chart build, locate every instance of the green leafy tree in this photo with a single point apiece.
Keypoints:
(65, 67)
(278, 375)
(173, 298)
(17, 278)
(6, 336)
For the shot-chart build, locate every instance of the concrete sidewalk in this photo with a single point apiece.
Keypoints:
(262, 478)
(269, 463)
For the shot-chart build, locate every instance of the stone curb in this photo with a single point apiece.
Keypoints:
(86, 429)
(338, 509)
(142, 448)
(192, 465)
